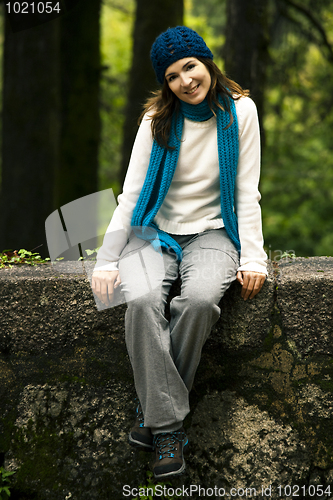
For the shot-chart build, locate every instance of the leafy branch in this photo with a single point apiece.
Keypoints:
(305, 11)
(90, 254)
(5, 483)
(8, 258)
(144, 490)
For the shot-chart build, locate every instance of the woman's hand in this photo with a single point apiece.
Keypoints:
(103, 284)
(251, 282)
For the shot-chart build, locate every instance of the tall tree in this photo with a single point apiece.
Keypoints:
(30, 133)
(80, 123)
(50, 121)
(246, 47)
(151, 19)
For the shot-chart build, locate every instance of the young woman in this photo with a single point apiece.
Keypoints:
(189, 208)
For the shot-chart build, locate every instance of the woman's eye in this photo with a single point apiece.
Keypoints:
(190, 66)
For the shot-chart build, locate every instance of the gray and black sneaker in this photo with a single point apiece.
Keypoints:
(141, 436)
(169, 449)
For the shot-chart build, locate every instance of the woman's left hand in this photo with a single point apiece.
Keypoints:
(251, 282)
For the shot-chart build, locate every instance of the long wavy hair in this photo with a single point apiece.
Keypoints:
(164, 103)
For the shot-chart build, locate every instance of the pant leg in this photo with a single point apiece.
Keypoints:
(146, 280)
(209, 266)
(165, 356)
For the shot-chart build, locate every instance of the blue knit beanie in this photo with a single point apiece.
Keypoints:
(174, 44)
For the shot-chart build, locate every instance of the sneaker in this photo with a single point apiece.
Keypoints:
(141, 436)
(169, 448)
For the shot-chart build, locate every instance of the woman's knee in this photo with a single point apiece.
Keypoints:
(198, 301)
(148, 301)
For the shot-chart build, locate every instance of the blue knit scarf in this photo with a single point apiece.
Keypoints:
(162, 167)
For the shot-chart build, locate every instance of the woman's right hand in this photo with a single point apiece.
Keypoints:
(103, 284)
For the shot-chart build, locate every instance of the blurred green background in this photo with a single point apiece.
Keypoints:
(287, 64)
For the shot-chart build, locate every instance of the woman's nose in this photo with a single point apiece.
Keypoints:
(185, 80)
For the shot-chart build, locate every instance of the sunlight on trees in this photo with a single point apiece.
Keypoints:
(297, 169)
(116, 47)
(198, 20)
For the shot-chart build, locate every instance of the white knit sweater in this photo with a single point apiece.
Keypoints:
(192, 204)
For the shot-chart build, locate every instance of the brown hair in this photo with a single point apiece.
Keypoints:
(163, 103)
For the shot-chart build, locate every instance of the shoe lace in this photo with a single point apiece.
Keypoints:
(139, 415)
(165, 443)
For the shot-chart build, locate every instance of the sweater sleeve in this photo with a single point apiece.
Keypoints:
(247, 196)
(117, 233)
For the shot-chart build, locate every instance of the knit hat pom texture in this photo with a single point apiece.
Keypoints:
(174, 44)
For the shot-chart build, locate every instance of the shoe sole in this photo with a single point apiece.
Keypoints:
(138, 444)
(178, 472)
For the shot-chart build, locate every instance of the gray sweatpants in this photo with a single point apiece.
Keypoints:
(165, 355)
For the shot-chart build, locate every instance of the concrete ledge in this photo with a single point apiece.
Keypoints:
(305, 302)
(47, 309)
(262, 404)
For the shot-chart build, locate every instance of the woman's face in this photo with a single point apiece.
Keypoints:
(189, 80)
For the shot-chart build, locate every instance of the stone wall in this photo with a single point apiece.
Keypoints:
(262, 403)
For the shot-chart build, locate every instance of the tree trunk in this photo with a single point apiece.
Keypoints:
(246, 47)
(80, 123)
(152, 18)
(30, 134)
(50, 122)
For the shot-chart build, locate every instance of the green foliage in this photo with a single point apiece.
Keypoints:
(5, 483)
(288, 255)
(116, 45)
(148, 491)
(8, 258)
(90, 253)
(214, 11)
(208, 19)
(297, 167)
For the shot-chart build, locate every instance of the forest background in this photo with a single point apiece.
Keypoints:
(65, 137)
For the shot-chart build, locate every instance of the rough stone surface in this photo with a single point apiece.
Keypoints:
(64, 308)
(245, 324)
(262, 404)
(305, 301)
(245, 446)
(74, 437)
(46, 308)
(68, 442)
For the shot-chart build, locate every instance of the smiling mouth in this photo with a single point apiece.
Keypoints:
(192, 90)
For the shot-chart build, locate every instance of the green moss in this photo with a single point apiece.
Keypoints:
(300, 383)
(326, 385)
(70, 378)
(254, 381)
(40, 454)
(7, 423)
(269, 341)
